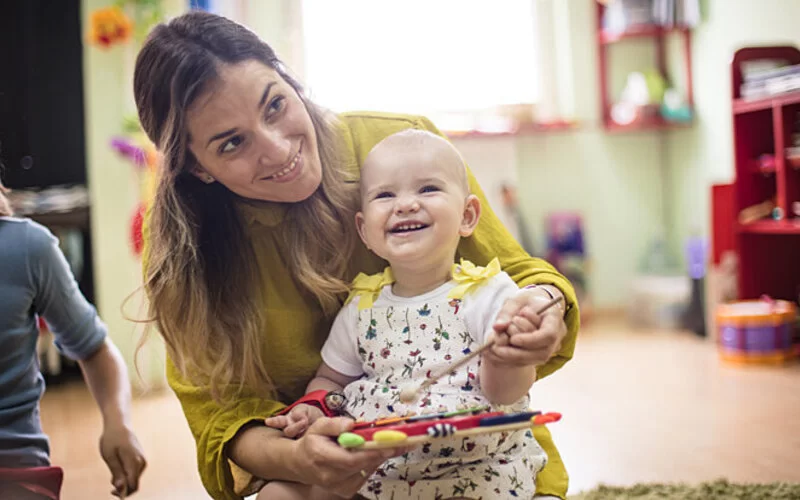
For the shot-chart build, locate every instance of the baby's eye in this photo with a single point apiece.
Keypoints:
(429, 189)
(383, 194)
(231, 144)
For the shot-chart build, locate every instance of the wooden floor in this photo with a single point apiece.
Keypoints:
(637, 406)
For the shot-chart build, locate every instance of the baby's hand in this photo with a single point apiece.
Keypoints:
(295, 423)
(123, 454)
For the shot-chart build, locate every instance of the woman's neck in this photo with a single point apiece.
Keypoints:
(410, 281)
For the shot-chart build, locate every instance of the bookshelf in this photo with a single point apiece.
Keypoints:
(658, 35)
(769, 248)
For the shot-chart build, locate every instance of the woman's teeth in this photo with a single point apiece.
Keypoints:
(287, 169)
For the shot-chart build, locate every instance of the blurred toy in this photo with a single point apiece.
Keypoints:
(756, 331)
(694, 316)
(674, 107)
(142, 155)
(117, 23)
(640, 99)
(109, 26)
(419, 429)
(756, 212)
(565, 251)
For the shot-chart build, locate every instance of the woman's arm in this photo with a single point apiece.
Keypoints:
(235, 447)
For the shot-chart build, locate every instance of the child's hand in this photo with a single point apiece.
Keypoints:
(525, 338)
(123, 454)
(295, 423)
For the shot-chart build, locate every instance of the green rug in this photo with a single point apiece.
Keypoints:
(716, 490)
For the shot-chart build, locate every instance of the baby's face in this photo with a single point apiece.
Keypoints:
(413, 204)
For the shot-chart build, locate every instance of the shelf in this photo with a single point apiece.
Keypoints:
(642, 31)
(751, 105)
(524, 129)
(78, 218)
(646, 125)
(769, 226)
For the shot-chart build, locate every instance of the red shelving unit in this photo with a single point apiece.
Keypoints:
(768, 249)
(657, 34)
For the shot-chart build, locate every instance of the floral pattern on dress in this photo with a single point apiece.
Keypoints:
(406, 344)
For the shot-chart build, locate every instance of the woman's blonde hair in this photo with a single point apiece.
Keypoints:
(201, 275)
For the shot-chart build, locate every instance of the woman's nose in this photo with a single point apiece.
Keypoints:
(274, 147)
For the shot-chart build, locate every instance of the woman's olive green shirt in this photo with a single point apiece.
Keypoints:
(296, 326)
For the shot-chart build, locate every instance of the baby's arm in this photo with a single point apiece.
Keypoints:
(299, 418)
(503, 381)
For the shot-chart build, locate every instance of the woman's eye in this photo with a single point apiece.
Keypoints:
(429, 189)
(231, 144)
(276, 105)
(384, 194)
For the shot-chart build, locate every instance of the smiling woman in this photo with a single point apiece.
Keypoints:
(248, 132)
(251, 244)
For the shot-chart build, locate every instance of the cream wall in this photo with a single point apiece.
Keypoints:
(114, 192)
(703, 155)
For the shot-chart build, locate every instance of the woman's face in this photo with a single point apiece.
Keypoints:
(252, 133)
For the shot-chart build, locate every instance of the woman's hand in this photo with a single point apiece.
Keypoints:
(531, 339)
(320, 461)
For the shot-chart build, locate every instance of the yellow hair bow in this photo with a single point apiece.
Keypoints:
(468, 275)
(368, 287)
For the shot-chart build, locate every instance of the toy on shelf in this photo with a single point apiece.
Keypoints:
(757, 212)
(756, 331)
(566, 251)
(420, 429)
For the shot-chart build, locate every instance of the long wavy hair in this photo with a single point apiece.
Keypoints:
(201, 276)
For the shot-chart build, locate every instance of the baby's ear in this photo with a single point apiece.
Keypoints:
(360, 228)
(472, 214)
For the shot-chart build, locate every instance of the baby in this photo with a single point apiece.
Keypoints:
(415, 319)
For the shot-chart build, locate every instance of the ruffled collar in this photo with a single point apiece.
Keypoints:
(465, 275)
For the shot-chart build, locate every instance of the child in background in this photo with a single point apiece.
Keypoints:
(35, 279)
(418, 317)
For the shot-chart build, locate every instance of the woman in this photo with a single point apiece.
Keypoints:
(251, 243)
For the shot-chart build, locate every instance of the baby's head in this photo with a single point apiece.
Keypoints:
(415, 199)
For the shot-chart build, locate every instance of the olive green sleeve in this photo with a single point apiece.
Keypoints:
(213, 426)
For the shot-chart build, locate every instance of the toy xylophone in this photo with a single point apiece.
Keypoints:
(418, 429)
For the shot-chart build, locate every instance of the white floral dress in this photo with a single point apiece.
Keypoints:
(393, 341)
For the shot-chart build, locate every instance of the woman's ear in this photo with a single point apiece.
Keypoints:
(202, 175)
(472, 213)
(360, 228)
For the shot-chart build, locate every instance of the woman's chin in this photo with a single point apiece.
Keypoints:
(301, 190)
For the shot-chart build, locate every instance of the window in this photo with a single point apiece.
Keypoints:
(420, 56)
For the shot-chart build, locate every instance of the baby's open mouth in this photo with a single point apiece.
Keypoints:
(407, 227)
